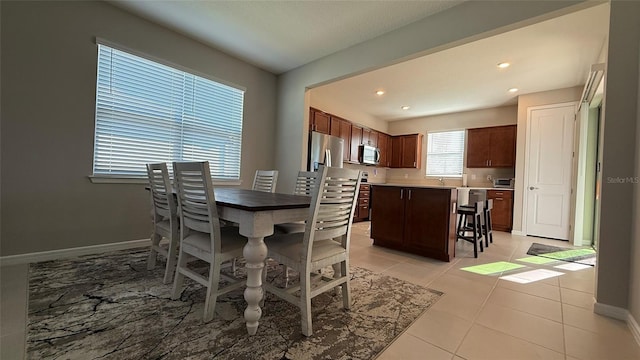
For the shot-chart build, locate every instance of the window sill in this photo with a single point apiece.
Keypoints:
(102, 179)
(444, 176)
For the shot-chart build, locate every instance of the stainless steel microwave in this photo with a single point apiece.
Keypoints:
(503, 183)
(369, 155)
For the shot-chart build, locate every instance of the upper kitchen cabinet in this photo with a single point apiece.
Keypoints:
(319, 121)
(384, 145)
(406, 151)
(370, 137)
(342, 129)
(356, 140)
(491, 147)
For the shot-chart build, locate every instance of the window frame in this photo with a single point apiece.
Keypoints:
(142, 179)
(462, 158)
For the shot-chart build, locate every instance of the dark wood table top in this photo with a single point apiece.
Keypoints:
(253, 200)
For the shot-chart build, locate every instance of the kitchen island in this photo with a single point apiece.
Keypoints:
(416, 219)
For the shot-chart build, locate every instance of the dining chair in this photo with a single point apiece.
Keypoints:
(164, 216)
(324, 242)
(305, 184)
(265, 180)
(201, 236)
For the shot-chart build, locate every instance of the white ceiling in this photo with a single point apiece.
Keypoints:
(281, 35)
(554, 54)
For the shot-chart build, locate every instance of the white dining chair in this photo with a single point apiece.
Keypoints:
(201, 236)
(265, 180)
(165, 219)
(305, 184)
(324, 242)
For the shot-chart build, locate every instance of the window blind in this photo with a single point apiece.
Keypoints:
(445, 153)
(148, 112)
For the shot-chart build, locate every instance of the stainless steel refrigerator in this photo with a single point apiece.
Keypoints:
(325, 150)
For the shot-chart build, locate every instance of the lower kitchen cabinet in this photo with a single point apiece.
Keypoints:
(414, 219)
(362, 209)
(502, 213)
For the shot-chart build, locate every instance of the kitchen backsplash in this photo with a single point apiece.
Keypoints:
(476, 177)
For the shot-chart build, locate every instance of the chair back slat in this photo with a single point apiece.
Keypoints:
(196, 198)
(161, 192)
(306, 183)
(265, 180)
(332, 207)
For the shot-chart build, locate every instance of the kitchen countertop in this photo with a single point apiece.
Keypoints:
(415, 186)
(438, 186)
(483, 188)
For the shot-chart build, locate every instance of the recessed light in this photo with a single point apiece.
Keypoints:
(380, 92)
(406, 107)
(512, 90)
(503, 65)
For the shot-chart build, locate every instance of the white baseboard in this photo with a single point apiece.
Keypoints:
(635, 328)
(71, 252)
(619, 314)
(611, 311)
(518, 232)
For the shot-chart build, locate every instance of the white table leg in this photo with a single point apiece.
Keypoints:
(255, 252)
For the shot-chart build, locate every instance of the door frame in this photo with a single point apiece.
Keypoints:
(527, 145)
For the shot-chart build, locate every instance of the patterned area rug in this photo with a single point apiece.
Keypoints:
(586, 256)
(109, 306)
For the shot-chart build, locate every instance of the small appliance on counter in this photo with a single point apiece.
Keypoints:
(503, 183)
(365, 177)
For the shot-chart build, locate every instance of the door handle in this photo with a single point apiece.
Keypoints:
(532, 188)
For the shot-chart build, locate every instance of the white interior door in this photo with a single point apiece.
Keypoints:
(549, 172)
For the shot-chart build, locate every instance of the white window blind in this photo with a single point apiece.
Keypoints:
(445, 153)
(147, 112)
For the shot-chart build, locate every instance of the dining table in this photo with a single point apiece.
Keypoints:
(256, 213)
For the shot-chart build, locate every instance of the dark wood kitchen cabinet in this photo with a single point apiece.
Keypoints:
(356, 141)
(342, 129)
(384, 146)
(362, 209)
(413, 219)
(319, 121)
(491, 147)
(406, 151)
(502, 212)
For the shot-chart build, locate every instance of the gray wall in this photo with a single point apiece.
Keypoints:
(48, 108)
(634, 289)
(620, 121)
(470, 21)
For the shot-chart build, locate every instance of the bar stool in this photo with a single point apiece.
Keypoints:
(474, 212)
(487, 227)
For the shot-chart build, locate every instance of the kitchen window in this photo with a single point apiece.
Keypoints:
(445, 153)
(147, 112)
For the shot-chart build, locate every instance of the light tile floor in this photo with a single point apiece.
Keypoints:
(479, 317)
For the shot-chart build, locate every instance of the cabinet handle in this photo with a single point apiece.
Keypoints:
(489, 162)
(414, 164)
(401, 193)
(498, 193)
(499, 199)
(409, 194)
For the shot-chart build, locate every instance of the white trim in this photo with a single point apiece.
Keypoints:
(104, 179)
(610, 311)
(527, 144)
(634, 327)
(71, 252)
(518, 232)
(619, 314)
